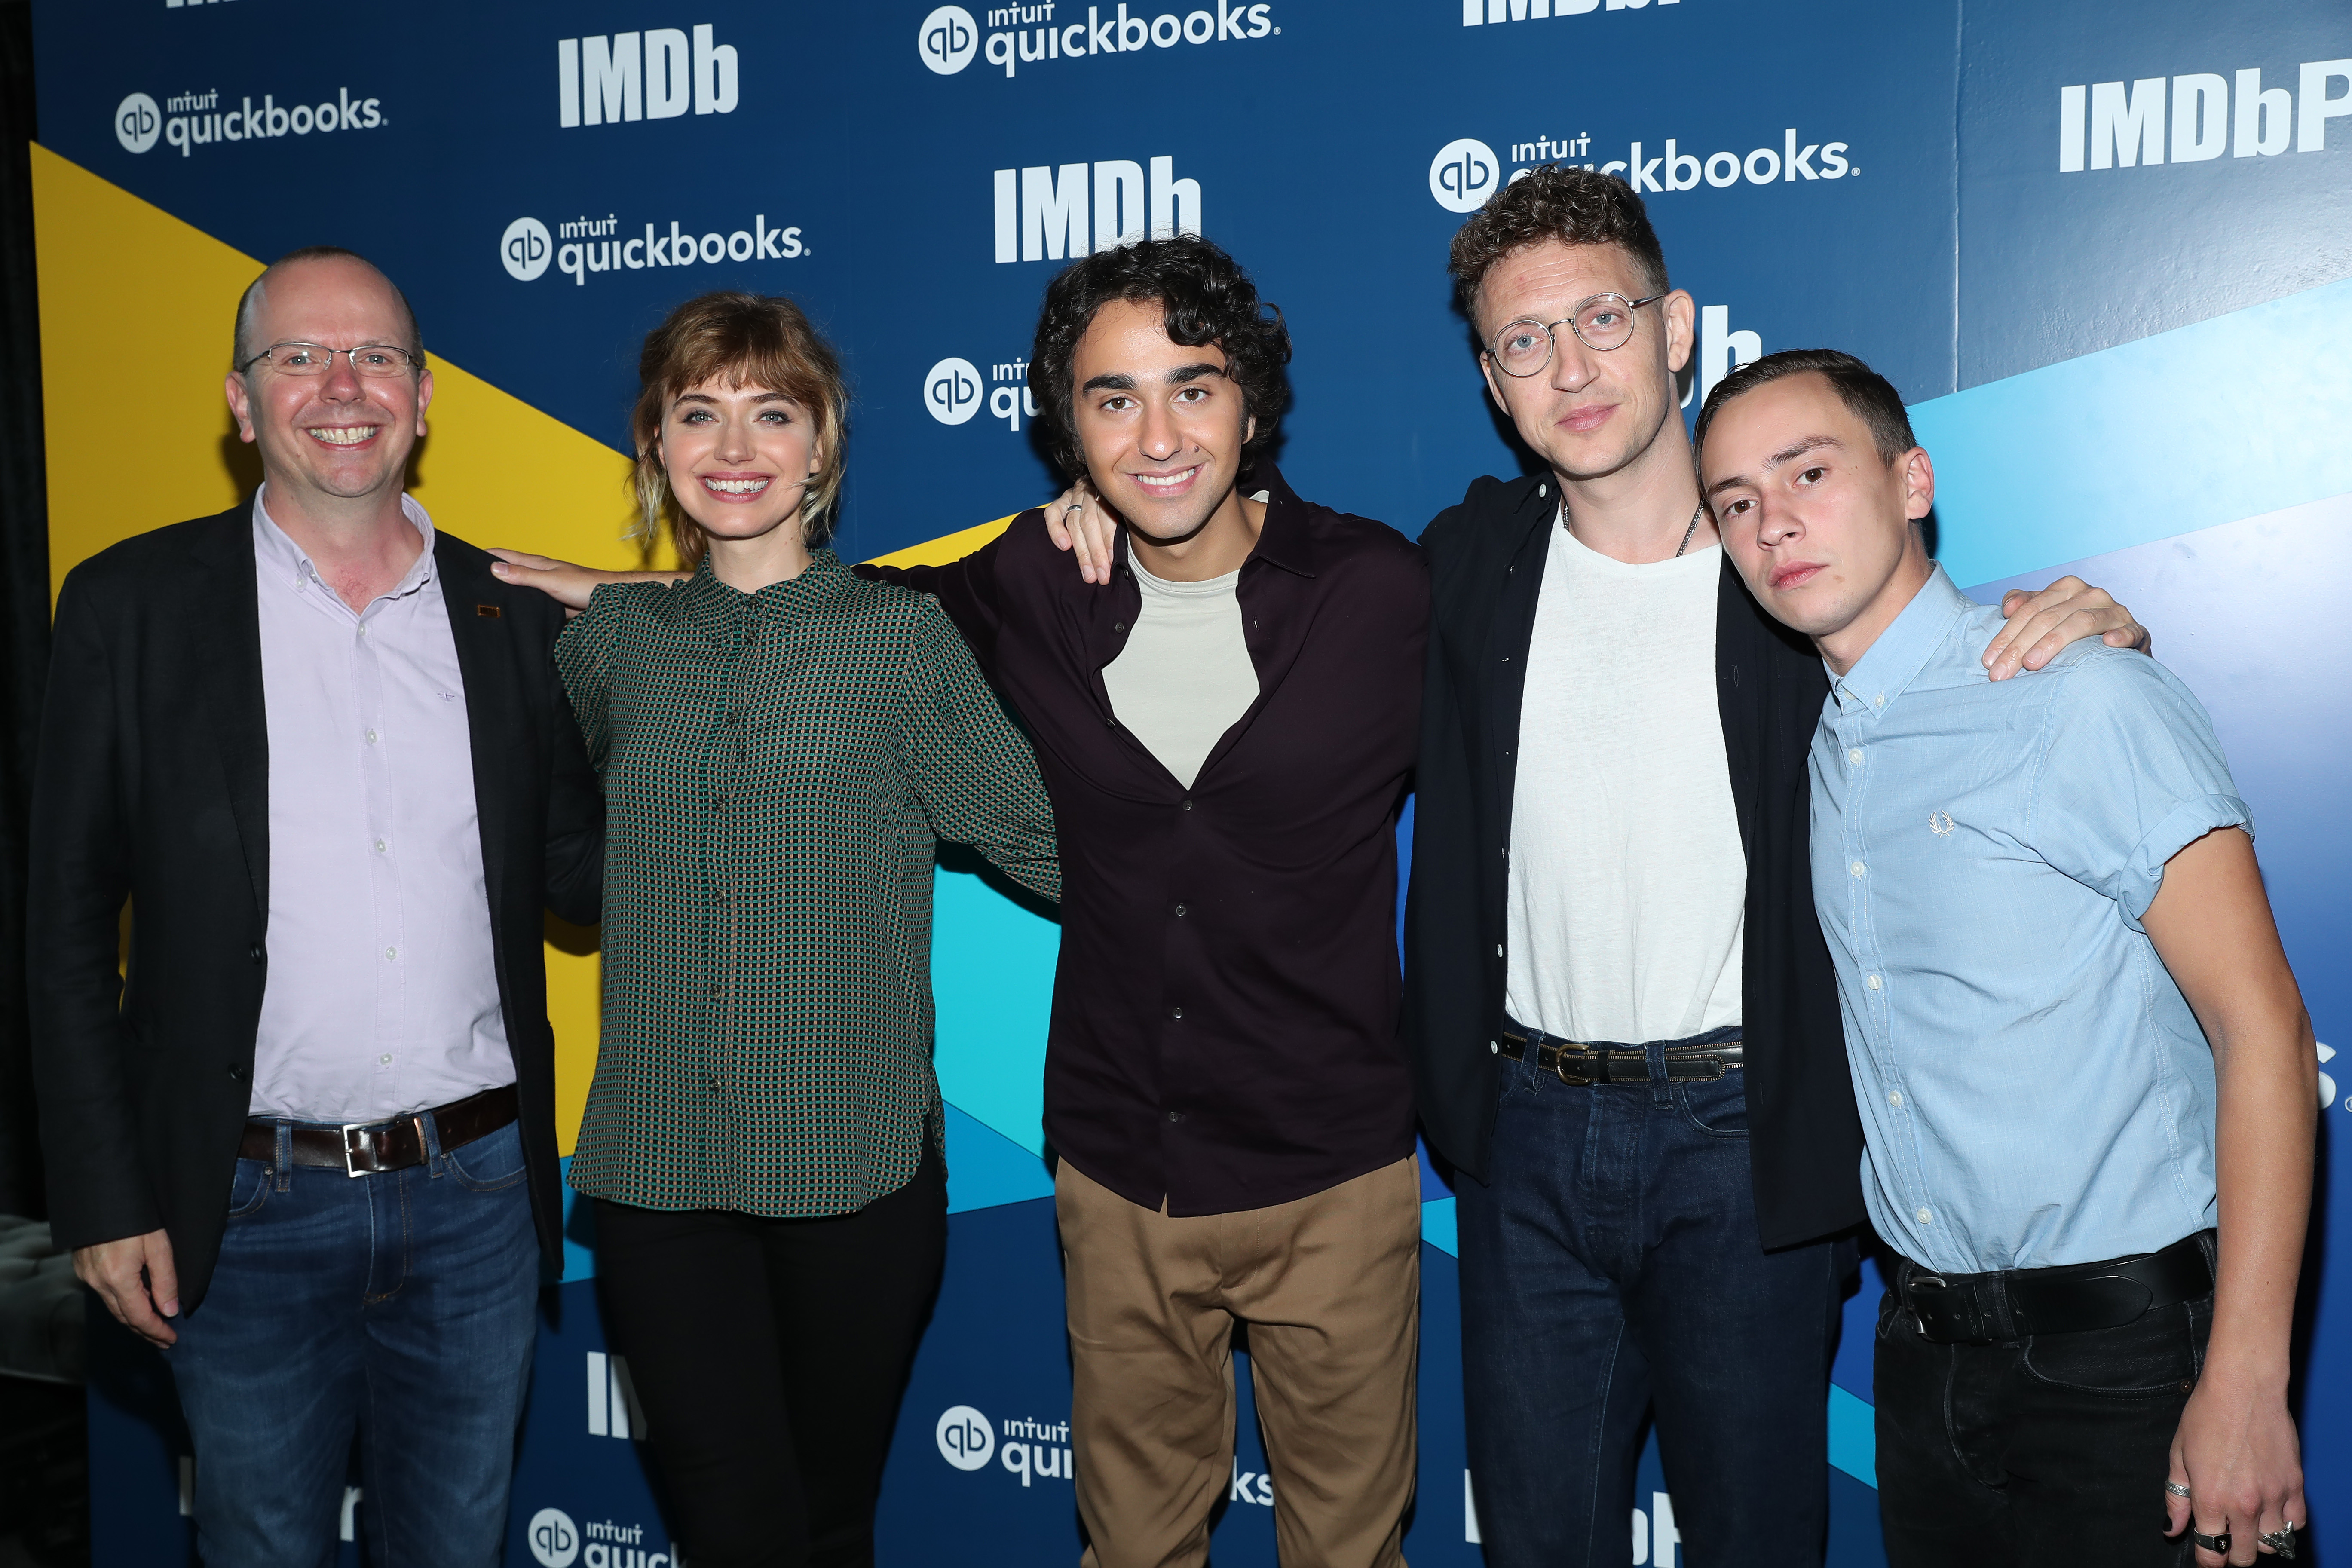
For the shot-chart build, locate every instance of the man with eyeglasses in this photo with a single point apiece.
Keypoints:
(1623, 1019)
(305, 1143)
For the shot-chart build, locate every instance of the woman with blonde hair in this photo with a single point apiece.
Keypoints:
(782, 745)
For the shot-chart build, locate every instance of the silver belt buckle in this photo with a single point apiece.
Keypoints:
(349, 1128)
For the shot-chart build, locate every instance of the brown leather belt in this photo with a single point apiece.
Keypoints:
(361, 1149)
(1581, 1064)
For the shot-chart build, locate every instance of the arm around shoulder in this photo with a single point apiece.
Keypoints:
(969, 766)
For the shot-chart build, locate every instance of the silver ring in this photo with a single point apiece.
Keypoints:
(1074, 506)
(2281, 1541)
(2220, 1543)
(2177, 1490)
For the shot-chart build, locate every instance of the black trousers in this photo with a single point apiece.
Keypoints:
(769, 1356)
(2036, 1452)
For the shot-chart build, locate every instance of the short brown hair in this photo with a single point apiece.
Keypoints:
(1867, 395)
(747, 339)
(1554, 201)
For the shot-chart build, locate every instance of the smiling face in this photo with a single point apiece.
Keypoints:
(1822, 527)
(739, 458)
(1589, 413)
(1161, 427)
(340, 437)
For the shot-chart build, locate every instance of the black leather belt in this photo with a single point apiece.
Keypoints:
(2073, 1298)
(361, 1149)
(1582, 1064)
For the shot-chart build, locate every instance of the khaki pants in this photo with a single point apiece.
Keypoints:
(1330, 1288)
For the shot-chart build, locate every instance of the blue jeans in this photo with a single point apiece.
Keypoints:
(398, 1309)
(1612, 1265)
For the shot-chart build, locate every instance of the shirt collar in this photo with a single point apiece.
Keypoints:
(1903, 649)
(719, 608)
(277, 554)
(1286, 541)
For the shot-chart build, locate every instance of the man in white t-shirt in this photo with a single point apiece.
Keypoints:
(1623, 1019)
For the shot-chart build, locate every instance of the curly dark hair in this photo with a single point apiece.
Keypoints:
(1208, 298)
(1554, 201)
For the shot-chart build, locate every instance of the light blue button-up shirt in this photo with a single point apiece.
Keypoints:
(2034, 1090)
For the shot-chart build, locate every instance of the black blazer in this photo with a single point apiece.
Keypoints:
(152, 785)
(1486, 567)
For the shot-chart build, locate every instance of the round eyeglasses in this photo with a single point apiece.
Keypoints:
(1604, 321)
(317, 359)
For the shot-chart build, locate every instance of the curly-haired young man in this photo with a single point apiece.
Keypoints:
(1226, 730)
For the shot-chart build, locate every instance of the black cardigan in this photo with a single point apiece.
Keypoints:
(1486, 567)
(152, 784)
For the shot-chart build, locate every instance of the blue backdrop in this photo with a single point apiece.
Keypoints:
(2106, 252)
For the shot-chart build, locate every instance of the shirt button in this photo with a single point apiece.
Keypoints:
(1175, 1116)
(1494, 1048)
(391, 953)
(255, 952)
(385, 1059)
(1176, 1012)
(370, 737)
(1188, 802)
(1498, 950)
(1895, 1099)
(1854, 756)
(1873, 983)
(1180, 911)
(1856, 868)
(1924, 1214)
(1879, 700)
(379, 846)
(1118, 626)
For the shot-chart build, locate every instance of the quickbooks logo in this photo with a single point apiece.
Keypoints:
(1042, 213)
(952, 392)
(1475, 12)
(1465, 171)
(1013, 36)
(585, 245)
(192, 119)
(643, 76)
(2210, 115)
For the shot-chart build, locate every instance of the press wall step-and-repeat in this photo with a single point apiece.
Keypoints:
(2106, 251)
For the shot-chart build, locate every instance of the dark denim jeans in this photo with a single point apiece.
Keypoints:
(396, 1307)
(2034, 1452)
(1612, 1267)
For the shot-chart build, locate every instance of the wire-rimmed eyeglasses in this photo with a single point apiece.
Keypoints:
(1604, 321)
(317, 359)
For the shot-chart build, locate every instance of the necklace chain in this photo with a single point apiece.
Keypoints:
(1688, 533)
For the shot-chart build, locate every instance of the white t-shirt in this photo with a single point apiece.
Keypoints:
(1184, 677)
(1628, 883)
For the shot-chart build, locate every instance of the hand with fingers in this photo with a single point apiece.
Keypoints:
(135, 1279)
(567, 585)
(1076, 520)
(2236, 1484)
(2040, 624)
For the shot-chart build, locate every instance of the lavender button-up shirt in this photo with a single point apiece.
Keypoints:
(383, 995)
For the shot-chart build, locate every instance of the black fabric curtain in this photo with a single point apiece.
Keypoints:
(23, 596)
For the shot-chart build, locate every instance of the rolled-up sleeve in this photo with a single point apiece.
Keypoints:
(2131, 776)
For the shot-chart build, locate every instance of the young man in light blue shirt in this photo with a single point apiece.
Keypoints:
(2076, 1045)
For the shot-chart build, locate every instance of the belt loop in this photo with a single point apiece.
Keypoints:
(282, 1156)
(428, 1133)
(1662, 1090)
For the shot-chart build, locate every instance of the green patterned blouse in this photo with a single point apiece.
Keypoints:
(778, 767)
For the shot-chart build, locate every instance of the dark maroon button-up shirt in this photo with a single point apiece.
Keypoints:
(1226, 1006)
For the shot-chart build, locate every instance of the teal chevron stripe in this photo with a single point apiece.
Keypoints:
(986, 1169)
(1437, 1226)
(2203, 425)
(1854, 1436)
(993, 978)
